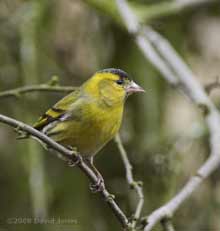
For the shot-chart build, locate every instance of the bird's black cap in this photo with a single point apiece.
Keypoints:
(119, 72)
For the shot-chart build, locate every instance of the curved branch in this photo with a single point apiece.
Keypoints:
(137, 186)
(148, 12)
(17, 92)
(71, 156)
(168, 210)
(152, 44)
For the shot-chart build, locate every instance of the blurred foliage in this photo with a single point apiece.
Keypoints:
(163, 133)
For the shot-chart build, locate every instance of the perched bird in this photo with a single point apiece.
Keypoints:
(89, 117)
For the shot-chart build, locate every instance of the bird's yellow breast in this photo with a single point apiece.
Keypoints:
(92, 130)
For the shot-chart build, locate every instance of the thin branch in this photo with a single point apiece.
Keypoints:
(152, 44)
(148, 12)
(167, 8)
(137, 186)
(71, 156)
(17, 92)
(133, 27)
(190, 3)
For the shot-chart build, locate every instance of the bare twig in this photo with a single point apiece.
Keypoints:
(71, 156)
(137, 186)
(182, 4)
(35, 88)
(154, 45)
(148, 12)
(169, 8)
(133, 27)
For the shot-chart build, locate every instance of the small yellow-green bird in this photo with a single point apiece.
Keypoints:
(91, 116)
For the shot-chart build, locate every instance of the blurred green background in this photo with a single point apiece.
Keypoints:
(163, 133)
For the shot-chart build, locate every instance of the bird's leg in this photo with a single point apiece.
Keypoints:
(99, 185)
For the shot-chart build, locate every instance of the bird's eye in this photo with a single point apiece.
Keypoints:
(120, 82)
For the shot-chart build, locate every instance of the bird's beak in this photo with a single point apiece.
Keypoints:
(133, 87)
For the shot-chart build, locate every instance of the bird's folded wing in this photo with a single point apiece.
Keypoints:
(58, 111)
